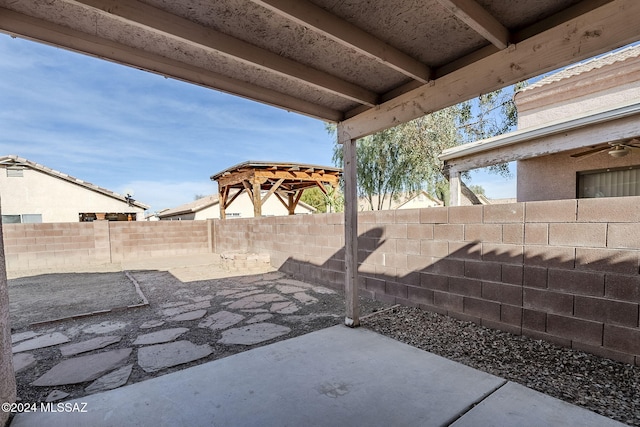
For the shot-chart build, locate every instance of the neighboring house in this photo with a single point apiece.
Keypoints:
(420, 200)
(578, 133)
(33, 193)
(402, 201)
(242, 207)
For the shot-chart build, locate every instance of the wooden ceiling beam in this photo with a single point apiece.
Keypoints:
(142, 15)
(599, 30)
(18, 24)
(323, 22)
(476, 17)
(273, 189)
(298, 175)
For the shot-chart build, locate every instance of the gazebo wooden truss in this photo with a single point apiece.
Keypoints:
(261, 180)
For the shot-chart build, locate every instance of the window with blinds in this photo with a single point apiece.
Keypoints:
(609, 183)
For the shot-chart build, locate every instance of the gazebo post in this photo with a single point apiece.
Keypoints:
(222, 201)
(257, 198)
(352, 317)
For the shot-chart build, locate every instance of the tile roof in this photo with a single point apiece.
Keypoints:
(13, 160)
(586, 66)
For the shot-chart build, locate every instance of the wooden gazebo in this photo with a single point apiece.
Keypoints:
(287, 181)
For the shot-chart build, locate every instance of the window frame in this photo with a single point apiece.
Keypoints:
(580, 174)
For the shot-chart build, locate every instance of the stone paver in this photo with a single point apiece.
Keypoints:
(323, 290)
(47, 340)
(56, 395)
(92, 344)
(152, 324)
(253, 334)
(227, 292)
(249, 279)
(22, 361)
(105, 327)
(255, 301)
(294, 282)
(221, 320)
(273, 276)
(173, 304)
(170, 312)
(16, 338)
(305, 298)
(246, 294)
(287, 289)
(259, 318)
(284, 307)
(156, 357)
(202, 298)
(112, 380)
(190, 315)
(158, 337)
(83, 368)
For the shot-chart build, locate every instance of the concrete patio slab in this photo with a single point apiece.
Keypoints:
(332, 377)
(516, 405)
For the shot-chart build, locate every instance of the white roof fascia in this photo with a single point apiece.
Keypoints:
(528, 134)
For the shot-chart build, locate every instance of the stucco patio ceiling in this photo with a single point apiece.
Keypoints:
(368, 64)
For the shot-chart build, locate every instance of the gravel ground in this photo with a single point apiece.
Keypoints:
(601, 385)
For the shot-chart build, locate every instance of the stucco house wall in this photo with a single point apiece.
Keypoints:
(597, 84)
(554, 177)
(55, 199)
(209, 208)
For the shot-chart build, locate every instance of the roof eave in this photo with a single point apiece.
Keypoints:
(535, 132)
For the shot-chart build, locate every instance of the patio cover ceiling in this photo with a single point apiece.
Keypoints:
(367, 64)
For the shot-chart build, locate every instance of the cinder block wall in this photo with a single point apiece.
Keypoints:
(565, 271)
(134, 240)
(37, 246)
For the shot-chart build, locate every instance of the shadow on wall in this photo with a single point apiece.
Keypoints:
(584, 298)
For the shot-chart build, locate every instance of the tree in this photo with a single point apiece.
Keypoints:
(333, 201)
(405, 158)
(490, 115)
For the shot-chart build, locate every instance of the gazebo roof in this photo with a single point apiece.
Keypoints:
(278, 166)
(286, 180)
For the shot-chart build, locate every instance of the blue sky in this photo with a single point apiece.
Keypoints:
(122, 128)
